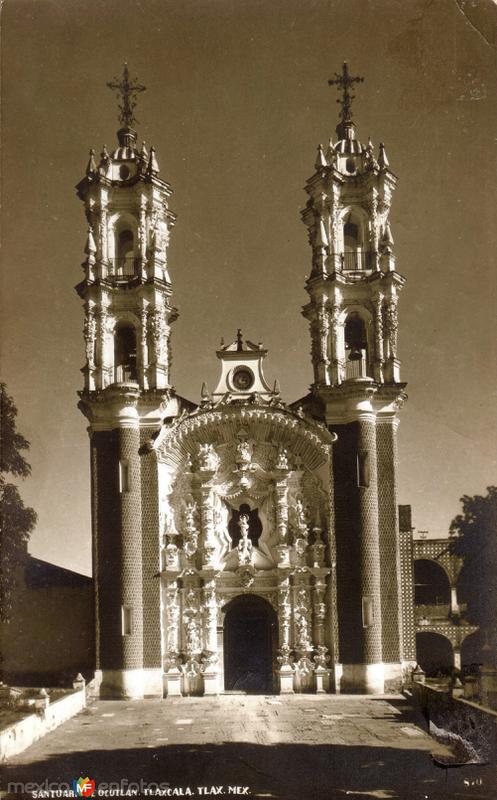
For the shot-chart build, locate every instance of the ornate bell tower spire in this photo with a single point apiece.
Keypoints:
(353, 286)
(353, 293)
(126, 292)
(127, 287)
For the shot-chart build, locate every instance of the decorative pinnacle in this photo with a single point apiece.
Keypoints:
(239, 339)
(344, 82)
(126, 95)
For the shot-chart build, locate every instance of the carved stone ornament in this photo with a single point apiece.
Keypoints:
(171, 556)
(391, 325)
(304, 665)
(191, 625)
(191, 668)
(208, 459)
(246, 575)
(243, 455)
(208, 661)
(378, 317)
(245, 547)
(324, 329)
(90, 331)
(173, 613)
(159, 332)
(191, 533)
(321, 657)
(282, 459)
(285, 658)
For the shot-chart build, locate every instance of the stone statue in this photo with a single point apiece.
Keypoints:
(243, 454)
(245, 546)
(282, 460)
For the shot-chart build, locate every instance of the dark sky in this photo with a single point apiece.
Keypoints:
(236, 103)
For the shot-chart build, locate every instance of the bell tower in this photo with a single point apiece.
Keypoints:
(126, 291)
(353, 293)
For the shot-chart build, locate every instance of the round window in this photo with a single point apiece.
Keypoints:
(242, 379)
(124, 172)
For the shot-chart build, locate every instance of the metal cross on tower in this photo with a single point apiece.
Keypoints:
(344, 82)
(127, 90)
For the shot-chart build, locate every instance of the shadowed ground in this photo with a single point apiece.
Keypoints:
(293, 748)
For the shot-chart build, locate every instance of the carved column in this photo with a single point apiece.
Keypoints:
(321, 657)
(319, 609)
(323, 329)
(315, 350)
(209, 545)
(303, 629)
(105, 326)
(378, 337)
(142, 231)
(90, 332)
(281, 509)
(286, 670)
(144, 347)
(337, 367)
(210, 654)
(191, 534)
(192, 636)
(392, 366)
(172, 648)
(302, 532)
(104, 242)
(173, 614)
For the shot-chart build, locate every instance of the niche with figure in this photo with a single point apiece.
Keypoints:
(125, 354)
(254, 523)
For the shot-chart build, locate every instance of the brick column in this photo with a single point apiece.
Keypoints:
(369, 552)
(386, 440)
(358, 556)
(117, 513)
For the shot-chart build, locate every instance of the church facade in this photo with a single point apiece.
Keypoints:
(243, 544)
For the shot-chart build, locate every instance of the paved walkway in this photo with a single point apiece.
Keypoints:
(291, 748)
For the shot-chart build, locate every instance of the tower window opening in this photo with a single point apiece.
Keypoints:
(367, 612)
(356, 347)
(363, 469)
(125, 260)
(125, 355)
(353, 257)
(124, 478)
(126, 620)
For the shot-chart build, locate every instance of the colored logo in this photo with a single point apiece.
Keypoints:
(83, 787)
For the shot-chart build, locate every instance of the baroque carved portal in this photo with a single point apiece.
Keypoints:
(236, 515)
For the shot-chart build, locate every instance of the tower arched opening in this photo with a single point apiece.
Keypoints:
(356, 347)
(354, 249)
(125, 366)
(125, 261)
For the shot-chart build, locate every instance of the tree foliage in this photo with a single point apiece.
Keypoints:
(16, 519)
(475, 540)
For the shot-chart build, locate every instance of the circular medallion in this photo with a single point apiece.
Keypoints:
(242, 379)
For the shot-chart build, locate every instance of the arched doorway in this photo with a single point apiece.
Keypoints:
(250, 642)
(434, 654)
